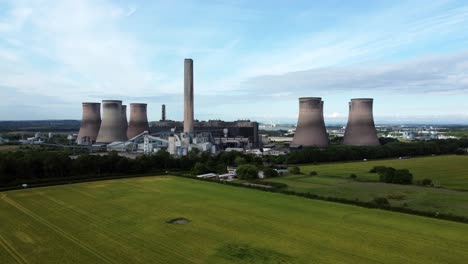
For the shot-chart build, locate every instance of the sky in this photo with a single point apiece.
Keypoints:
(252, 59)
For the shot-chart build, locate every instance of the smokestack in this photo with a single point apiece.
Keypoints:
(90, 123)
(310, 130)
(360, 130)
(112, 125)
(138, 120)
(124, 120)
(163, 112)
(188, 96)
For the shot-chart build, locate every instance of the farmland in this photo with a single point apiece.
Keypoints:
(449, 171)
(333, 180)
(126, 221)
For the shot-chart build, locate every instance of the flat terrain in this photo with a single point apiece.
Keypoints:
(333, 180)
(6, 148)
(125, 221)
(450, 171)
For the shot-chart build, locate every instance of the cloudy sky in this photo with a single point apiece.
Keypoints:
(252, 59)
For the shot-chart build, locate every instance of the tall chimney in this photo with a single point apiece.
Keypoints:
(90, 123)
(310, 130)
(163, 112)
(124, 120)
(112, 125)
(188, 96)
(360, 130)
(138, 120)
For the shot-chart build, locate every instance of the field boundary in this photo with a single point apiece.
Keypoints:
(442, 216)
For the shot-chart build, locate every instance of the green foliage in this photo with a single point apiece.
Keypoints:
(353, 176)
(270, 173)
(392, 175)
(294, 170)
(247, 172)
(424, 182)
(313, 173)
(381, 201)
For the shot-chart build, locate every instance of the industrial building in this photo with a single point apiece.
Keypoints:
(178, 138)
(360, 129)
(90, 123)
(310, 129)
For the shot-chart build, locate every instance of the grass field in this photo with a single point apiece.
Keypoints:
(449, 171)
(124, 221)
(6, 148)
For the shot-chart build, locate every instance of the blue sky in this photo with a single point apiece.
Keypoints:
(252, 59)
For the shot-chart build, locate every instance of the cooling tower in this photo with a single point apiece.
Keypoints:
(90, 123)
(112, 125)
(310, 130)
(138, 120)
(360, 130)
(188, 96)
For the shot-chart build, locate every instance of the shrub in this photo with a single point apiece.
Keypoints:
(391, 175)
(424, 182)
(294, 170)
(396, 196)
(270, 173)
(353, 176)
(313, 173)
(381, 201)
(378, 169)
(460, 151)
(247, 172)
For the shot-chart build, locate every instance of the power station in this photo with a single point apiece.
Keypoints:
(310, 130)
(113, 124)
(90, 123)
(360, 129)
(116, 133)
(138, 120)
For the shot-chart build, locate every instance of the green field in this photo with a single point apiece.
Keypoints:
(333, 181)
(124, 221)
(449, 171)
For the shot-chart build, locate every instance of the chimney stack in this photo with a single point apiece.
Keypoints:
(360, 130)
(163, 112)
(90, 123)
(310, 130)
(188, 96)
(138, 120)
(113, 124)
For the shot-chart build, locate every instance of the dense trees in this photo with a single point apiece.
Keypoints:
(247, 172)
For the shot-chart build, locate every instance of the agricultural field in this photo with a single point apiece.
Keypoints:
(450, 171)
(129, 221)
(7, 148)
(333, 180)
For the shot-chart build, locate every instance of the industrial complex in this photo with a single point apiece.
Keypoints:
(114, 132)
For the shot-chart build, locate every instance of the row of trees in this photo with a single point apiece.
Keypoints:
(42, 163)
(391, 150)
(31, 165)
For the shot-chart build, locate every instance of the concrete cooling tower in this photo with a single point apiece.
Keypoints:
(113, 127)
(188, 96)
(360, 130)
(138, 120)
(310, 130)
(90, 123)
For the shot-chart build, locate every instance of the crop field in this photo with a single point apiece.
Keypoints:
(129, 221)
(449, 171)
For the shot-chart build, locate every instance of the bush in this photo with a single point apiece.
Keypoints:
(460, 151)
(353, 176)
(313, 173)
(270, 173)
(247, 172)
(396, 196)
(424, 182)
(391, 175)
(378, 169)
(381, 201)
(294, 170)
